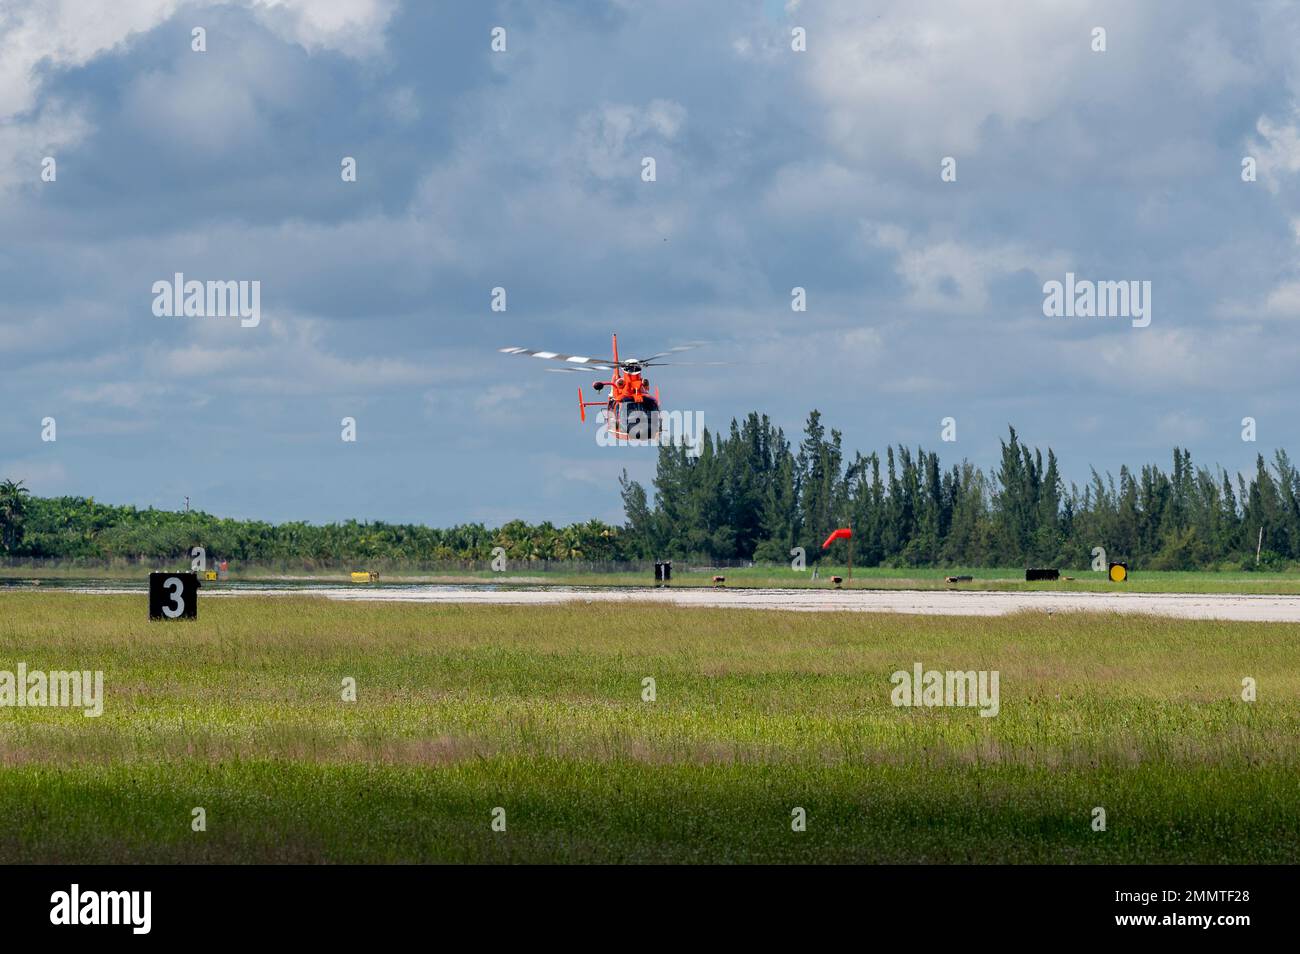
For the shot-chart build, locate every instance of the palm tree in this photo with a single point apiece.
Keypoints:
(13, 506)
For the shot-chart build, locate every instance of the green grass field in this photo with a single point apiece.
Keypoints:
(539, 711)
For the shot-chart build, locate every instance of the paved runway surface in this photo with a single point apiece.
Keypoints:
(1284, 609)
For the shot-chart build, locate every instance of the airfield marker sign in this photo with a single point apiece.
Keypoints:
(173, 595)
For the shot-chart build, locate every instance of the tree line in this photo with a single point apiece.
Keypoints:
(78, 529)
(751, 494)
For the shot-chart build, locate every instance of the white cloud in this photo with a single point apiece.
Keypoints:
(128, 395)
(1171, 362)
(353, 27)
(194, 109)
(839, 355)
(259, 364)
(819, 187)
(499, 398)
(1281, 302)
(1277, 151)
(922, 78)
(1211, 62)
(23, 146)
(57, 34)
(606, 136)
(44, 35)
(947, 275)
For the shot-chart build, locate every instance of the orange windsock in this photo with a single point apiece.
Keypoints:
(843, 533)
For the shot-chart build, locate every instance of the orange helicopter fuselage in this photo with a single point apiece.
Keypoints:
(627, 389)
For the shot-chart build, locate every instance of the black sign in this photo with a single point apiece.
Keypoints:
(1039, 573)
(173, 595)
(663, 571)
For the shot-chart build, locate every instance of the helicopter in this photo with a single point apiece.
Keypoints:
(631, 410)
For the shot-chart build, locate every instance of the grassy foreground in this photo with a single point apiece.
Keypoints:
(539, 710)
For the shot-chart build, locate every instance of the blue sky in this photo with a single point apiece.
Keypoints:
(522, 169)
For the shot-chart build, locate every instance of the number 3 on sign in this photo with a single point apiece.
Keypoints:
(173, 596)
(176, 588)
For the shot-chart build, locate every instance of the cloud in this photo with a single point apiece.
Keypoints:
(612, 140)
(1277, 151)
(1280, 302)
(42, 37)
(352, 27)
(194, 108)
(1178, 363)
(127, 395)
(39, 36)
(1212, 62)
(24, 146)
(498, 398)
(923, 79)
(947, 275)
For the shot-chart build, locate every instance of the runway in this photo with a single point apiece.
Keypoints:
(1282, 609)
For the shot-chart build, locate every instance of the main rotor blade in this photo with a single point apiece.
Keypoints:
(664, 354)
(683, 364)
(599, 364)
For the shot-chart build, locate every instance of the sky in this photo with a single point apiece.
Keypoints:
(775, 168)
